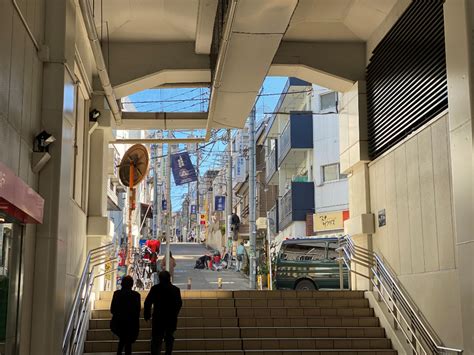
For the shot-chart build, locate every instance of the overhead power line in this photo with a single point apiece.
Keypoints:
(196, 98)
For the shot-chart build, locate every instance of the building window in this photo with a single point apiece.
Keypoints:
(328, 101)
(331, 172)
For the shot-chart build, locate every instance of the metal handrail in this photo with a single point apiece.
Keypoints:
(406, 317)
(76, 326)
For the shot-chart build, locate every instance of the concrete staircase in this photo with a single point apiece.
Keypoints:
(259, 322)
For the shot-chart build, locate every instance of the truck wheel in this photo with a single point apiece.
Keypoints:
(305, 285)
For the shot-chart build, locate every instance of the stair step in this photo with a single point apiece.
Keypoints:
(292, 321)
(270, 352)
(259, 303)
(260, 312)
(249, 294)
(253, 344)
(261, 332)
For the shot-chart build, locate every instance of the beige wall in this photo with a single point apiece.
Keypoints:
(55, 250)
(413, 184)
(20, 120)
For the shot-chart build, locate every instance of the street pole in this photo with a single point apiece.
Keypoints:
(159, 196)
(198, 210)
(155, 191)
(168, 204)
(252, 202)
(228, 206)
(269, 253)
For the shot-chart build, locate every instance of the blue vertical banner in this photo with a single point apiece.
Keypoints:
(219, 203)
(183, 168)
(164, 205)
(193, 209)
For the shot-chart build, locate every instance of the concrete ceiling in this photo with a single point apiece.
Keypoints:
(147, 20)
(164, 42)
(337, 20)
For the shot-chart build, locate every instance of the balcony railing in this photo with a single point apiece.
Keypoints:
(298, 134)
(271, 164)
(295, 204)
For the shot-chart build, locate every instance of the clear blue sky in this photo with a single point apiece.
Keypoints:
(197, 100)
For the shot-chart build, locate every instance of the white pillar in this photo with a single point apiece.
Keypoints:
(52, 293)
(459, 27)
(354, 161)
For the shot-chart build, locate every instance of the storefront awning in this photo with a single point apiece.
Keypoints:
(18, 200)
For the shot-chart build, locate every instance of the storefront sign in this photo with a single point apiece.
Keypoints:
(240, 171)
(183, 169)
(18, 200)
(328, 221)
(202, 219)
(193, 209)
(219, 203)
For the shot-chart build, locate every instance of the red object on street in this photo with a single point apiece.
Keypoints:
(154, 245)
(122, 257)
(18, 200)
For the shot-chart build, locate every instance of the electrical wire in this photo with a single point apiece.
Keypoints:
(207, 99)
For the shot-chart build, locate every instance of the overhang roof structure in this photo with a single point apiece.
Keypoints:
(231, 46)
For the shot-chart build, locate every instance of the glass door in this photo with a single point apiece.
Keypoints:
(10, 276)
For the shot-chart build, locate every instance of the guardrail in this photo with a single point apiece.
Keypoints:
(78, 319)
(406, 317)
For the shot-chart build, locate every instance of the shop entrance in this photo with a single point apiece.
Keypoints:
(11, 241)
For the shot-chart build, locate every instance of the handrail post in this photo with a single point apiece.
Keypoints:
(395, 315)
(341, 274)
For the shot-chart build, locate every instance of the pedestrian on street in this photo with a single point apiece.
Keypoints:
(234, 225)
(240, 256)
(166, 301)
(172, 264)
(125, 309)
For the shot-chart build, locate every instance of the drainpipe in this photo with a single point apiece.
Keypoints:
(99, 60)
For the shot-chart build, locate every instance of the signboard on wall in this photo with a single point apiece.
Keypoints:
(329, 221)
(219, 203)
(240, 170)
(193, 209)
(202, 219)
(382, 218)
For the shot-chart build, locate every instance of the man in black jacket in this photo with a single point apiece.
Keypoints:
(166, 301)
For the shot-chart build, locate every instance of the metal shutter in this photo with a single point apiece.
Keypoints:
(406, 76)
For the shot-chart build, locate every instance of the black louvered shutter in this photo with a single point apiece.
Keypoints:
(406, 76)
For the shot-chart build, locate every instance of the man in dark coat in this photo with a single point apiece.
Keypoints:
(125, 309)
(166, 301)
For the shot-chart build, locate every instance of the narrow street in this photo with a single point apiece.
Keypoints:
(186, 255)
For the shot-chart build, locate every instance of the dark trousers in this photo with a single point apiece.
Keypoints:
(124, 345)
(158, 333)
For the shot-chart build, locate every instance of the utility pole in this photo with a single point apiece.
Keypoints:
(228, 205)
(252, 201)
(159, 195)
(155, 191)
(168, 204)
(198, 210)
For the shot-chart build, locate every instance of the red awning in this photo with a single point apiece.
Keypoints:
(18, 200)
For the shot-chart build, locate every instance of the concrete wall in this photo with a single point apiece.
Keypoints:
(36, 95)
(413, 184)
(20, 120)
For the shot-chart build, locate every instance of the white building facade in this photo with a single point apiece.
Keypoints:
(330, 186)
